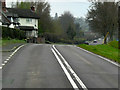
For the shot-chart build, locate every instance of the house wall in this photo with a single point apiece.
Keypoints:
(28, 22)
(30, 34)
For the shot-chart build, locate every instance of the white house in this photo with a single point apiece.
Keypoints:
(24, 19)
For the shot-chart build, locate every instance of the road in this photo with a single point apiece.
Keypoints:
(59, 66)
(98, 42)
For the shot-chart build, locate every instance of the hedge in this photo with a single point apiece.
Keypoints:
(12, 33)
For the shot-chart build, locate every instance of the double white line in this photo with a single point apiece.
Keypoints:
(67, 67)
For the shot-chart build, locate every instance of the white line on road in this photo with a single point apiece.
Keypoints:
(71, 70)
(3, 64)
(65, 70)
(11, 56)
(5, 61)
(100, 56)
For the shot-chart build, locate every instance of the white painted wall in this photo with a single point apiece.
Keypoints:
(33, 22)
(32, 34)
(23, 22)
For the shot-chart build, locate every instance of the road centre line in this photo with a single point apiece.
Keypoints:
(110, 61)
(65, 71)
(5, 62)
(71, 70)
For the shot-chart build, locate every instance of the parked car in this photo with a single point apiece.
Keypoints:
(86, 42)
(95, 41)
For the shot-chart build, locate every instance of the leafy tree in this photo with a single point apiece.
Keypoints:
(45, 22)
(67, 23)
(70, 32)
(24, 5)
(102, 18)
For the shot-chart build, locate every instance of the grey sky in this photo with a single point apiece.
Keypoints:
(77, 7)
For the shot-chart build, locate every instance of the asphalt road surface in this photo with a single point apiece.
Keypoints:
(59, 66)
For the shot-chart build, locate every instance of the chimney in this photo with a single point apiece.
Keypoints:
(4, 5)
(33, 8)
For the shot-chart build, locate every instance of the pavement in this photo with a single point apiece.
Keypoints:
(41, 66)
(8, 49)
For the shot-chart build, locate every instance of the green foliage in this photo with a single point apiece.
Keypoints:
(11, 33)
(23, 5)
(6, 41)
(102, 19)
(103, 50)
(113, 44)
(67, 24)
(70, 32)
(52, 37)
(45, 21)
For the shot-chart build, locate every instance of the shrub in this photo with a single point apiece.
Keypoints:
(12, 33)
(113, 44)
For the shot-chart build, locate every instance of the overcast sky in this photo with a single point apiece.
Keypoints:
(77, 7)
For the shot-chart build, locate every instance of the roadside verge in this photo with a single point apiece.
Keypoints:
(10, 56)
(86, 49)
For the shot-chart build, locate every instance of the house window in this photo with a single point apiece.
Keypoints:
(28, 20)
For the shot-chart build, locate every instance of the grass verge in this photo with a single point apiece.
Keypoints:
(104, 50)
(5, 42)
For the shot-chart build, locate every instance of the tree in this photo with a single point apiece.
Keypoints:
(45, 22)
(43, 10)
(70, 32)
(67, 23)
(102, 18)
(24, 5)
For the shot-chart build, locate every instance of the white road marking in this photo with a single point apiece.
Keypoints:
(66, 72)
(100, 57)
(71, 70)
(11, 56)
(3, 64)
(5, 61)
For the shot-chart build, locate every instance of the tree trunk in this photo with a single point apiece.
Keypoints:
(111, 38)
(105, 41)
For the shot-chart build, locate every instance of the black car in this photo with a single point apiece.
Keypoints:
(86, 42)
(95, 41)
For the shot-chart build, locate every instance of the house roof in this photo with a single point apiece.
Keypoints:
(23, 13)
(4, 19)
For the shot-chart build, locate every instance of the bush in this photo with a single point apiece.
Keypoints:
(12, 33)
(78, 40)
(51, 37)
(113, 44)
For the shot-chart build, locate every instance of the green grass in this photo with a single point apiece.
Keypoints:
(104, 50)
(5, 42)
